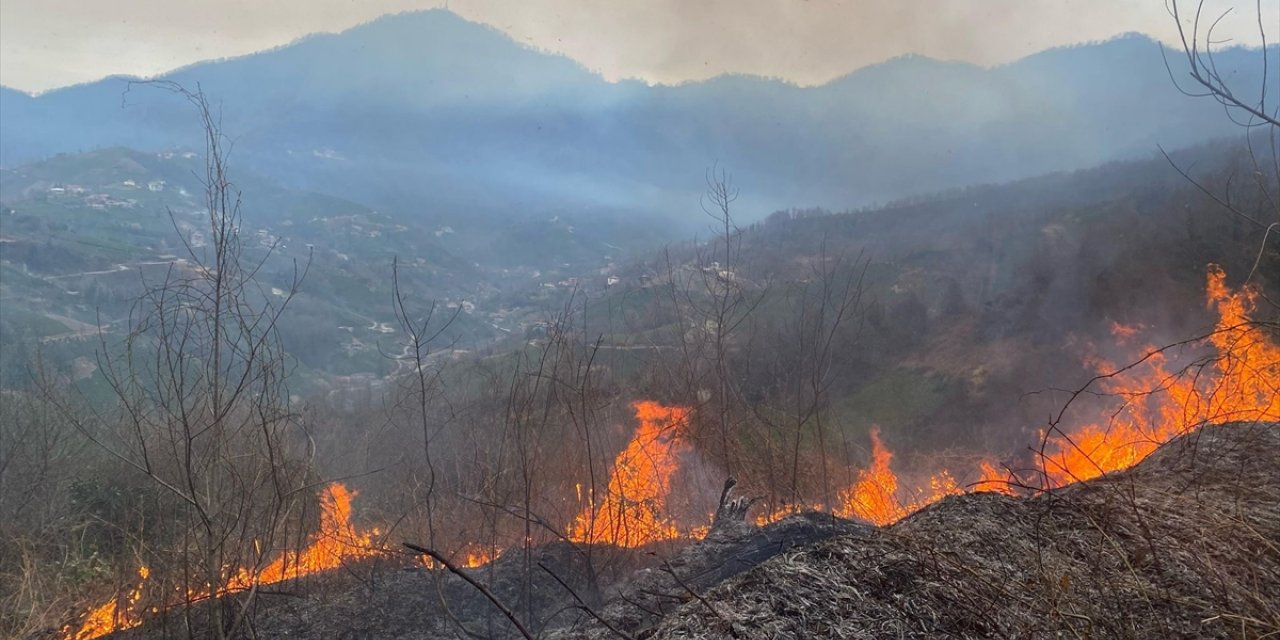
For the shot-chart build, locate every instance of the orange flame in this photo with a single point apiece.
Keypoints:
(110, 616)
(873, 496)
(1241, 383)
(471, 556)
(993, 479)
(785, 510)
(478, 555)
(336, 543)
(633, 512)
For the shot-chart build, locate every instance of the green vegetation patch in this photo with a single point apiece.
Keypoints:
(899, 400)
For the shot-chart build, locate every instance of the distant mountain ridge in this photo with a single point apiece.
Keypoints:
(431, 114)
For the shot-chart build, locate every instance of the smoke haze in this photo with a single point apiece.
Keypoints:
(60, 42)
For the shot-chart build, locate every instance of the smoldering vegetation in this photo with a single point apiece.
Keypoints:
(1183, 545)
(558, 590)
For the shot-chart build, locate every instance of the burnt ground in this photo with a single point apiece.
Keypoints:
(550, 589)
(1184, 545)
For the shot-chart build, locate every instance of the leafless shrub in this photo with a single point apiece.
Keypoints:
(202, 409)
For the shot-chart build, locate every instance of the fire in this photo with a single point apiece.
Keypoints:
(785, 510)
(471, 556)
(478, 555)
(110, 616)
(993, 479)
(335, 543)
(873, 496)
(1240, 383)
(633, 511)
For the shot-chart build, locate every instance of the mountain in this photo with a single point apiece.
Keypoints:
(453, 121)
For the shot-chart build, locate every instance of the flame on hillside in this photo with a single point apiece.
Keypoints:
(991, 478)
(335, 543)
(1240, 382)
(471, 556)
(111, 616)
(874, 495)
(633, 511)
(478, 555)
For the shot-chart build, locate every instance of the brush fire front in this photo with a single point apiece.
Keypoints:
(1156, 402)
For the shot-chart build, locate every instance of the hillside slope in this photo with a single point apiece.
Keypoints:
(1184, 545)
(975, 302)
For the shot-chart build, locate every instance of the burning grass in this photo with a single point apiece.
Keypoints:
(633, 510)
(1151, 402)
(336, 543)
(1122, 535)
(1185, 545)
(1101, 554)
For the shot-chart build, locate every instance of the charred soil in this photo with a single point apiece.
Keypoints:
(1185, 544)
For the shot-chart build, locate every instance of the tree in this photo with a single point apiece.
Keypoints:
(711, 301)
(1249, 103)
(203, 409)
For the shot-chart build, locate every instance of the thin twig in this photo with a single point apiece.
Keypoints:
(583, 605)
(524, 631)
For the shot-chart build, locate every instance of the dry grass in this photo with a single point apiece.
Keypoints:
(1185, 545)
(38, 587)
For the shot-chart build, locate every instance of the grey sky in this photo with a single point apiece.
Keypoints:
(51, 43)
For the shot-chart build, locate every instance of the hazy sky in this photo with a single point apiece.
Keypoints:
(52, 43)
